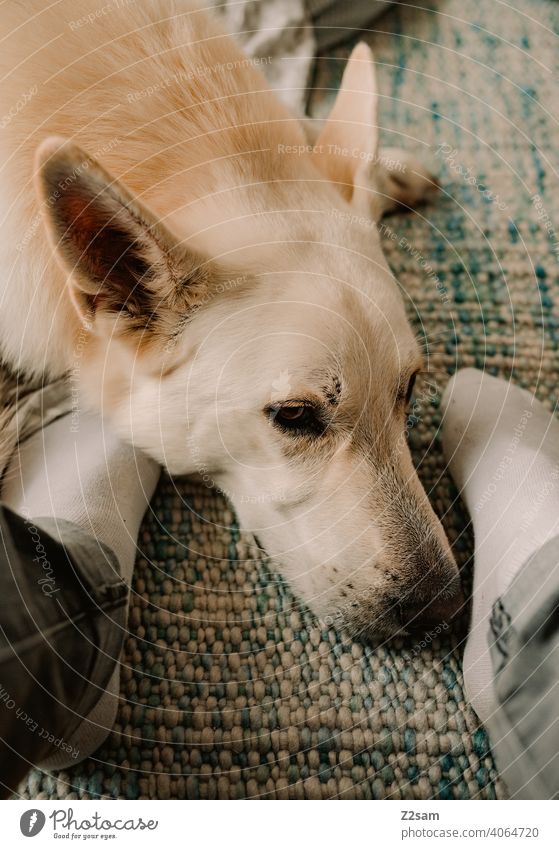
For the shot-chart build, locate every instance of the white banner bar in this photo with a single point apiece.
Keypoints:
(281, 825)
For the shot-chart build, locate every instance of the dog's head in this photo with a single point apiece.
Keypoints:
(285, 382)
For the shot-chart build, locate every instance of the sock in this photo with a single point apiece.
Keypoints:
(76, 469)
(502, 448)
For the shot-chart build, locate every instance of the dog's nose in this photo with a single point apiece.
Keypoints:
(426, 616)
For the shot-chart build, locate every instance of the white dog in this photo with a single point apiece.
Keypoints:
(216, 284)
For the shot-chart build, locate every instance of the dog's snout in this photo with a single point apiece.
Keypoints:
(418, 614)
(432, 595)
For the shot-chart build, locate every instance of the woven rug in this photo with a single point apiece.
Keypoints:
(229, 688)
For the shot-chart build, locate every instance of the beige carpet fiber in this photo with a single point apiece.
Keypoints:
(229, 687)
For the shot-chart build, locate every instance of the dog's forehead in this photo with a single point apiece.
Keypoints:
(319, 333)
(306, 328)
(354, 314)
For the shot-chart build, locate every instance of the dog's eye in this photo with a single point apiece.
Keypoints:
(293, 414)
(296, 417)
(409, 390)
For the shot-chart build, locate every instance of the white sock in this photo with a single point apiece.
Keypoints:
(77, 470)
(502, 447)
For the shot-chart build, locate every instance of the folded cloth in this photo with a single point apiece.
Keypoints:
(287, 34)
(334, 22)
(63, 612)
(27, 406)
(524, 641)
(281, 35)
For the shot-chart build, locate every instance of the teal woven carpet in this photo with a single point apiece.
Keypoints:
(229, 688)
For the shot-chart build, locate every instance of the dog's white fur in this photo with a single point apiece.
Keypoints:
(203, 267)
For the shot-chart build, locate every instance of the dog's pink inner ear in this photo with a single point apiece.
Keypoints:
(349, 141)
(120, 258)
(102, 243)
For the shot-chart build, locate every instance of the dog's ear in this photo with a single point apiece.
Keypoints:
(348, 143)
(124, 264)
(346, 149)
